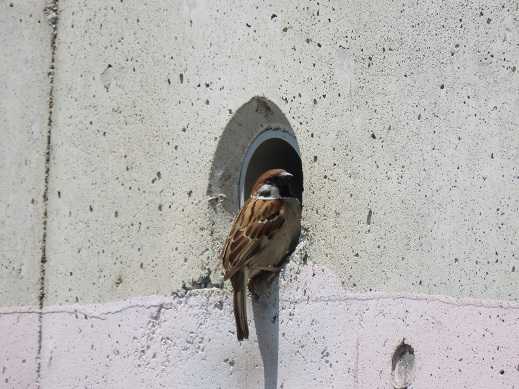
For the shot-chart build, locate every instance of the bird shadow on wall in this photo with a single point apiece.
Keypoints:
(266, 318)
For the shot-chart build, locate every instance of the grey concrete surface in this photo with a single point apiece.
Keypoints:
(406, 118)
(405, 112)
(24, 92)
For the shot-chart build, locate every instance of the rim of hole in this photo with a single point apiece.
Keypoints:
(262, 137)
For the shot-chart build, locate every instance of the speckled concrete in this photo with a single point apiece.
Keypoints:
(406, 118)
(18, 347)
(404, 111)
(24, 90)
(326, 338)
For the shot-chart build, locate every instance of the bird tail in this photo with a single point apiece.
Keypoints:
(240, 306)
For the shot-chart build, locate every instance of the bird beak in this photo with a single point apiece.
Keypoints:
(286, 174)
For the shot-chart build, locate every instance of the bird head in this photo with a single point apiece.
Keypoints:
(273, 184)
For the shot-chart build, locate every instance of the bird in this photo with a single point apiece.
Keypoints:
(263, 234)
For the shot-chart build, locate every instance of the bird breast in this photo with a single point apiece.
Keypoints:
(276, 249)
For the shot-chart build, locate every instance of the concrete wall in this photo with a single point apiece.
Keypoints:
(25, 37)
(406, 117)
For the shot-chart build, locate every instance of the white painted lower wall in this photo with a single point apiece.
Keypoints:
(324, 337)
(18, 347)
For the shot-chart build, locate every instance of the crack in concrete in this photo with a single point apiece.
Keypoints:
(166, 303)
(51, 12)
(447, 300)
(356, 364)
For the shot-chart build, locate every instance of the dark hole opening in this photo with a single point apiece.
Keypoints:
(275, 153)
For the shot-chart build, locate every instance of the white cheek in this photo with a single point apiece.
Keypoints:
(273, 192)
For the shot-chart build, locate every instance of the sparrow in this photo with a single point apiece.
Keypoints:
(262, 236)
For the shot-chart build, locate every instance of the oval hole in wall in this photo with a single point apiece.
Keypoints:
(257, 136)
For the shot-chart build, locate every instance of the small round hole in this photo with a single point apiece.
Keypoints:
(272, 148)
(403, 366)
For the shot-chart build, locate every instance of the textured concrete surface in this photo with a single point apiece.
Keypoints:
(24, 92)
(326, 338)
(406, 118)
(18, 348)
(404, 112)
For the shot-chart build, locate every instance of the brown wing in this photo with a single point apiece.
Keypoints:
(257, 220)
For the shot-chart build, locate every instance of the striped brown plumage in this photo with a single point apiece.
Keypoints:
(257, 219)
(261, 236)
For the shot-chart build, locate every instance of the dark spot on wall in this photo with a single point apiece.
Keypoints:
(118, 281)
(403, 366)
(181, 77)
(373, 136)
(489, 20)
(368, 220)
(273, 16)
(90, 208)
(230, 362)
(442, 86)
(116, 213)
(203, 282)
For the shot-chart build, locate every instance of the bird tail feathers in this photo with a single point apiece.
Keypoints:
(240, 305)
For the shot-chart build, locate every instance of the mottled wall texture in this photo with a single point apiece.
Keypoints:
(124, 124)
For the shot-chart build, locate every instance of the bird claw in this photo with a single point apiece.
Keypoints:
(253, 290)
